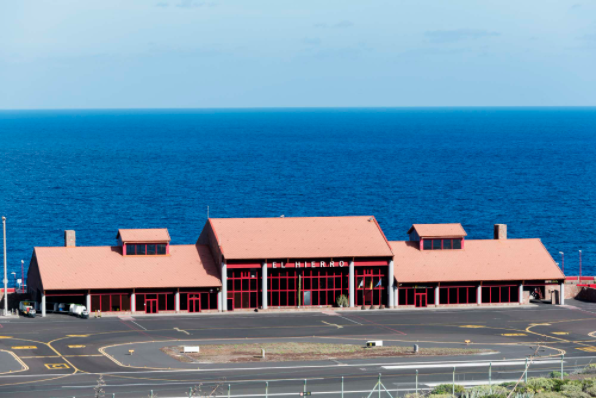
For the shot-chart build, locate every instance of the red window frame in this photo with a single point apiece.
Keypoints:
(317, 281)
(406, 295)
(208, 300)
(243, 289)
(155, 245)
(458, 292)
(370, 293)
(104, 298)
(491, 292)
(166, 301)
(282, 287)
(442, 243)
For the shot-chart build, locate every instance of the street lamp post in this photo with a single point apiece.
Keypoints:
(563, 261)
(5, 277)
(579, 266)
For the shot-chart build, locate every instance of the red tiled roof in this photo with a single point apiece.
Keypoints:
(300, 237)
(439, 230)
(106, 267)
(480, 260)
(143, 235)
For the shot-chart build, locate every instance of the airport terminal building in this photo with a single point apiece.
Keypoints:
(294, 263)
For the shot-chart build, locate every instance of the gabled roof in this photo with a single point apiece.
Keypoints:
(480, 260)
(106, 267)
(143, 235)
(438, 230)
(300, 237)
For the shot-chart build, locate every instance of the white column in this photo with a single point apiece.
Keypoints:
(479, 294)
(133, 303)
(43, 304)
(177, 301)
(395, 293)
(224, 282)
(88, 302)
(264, 285)
(520, 294)
(437, 295)
(220, 301)
(391, 280)
(352, 284)
(562, 294)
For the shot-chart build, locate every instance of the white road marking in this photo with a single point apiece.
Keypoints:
(179, 330)
(332, 325)
(138, 325)
(470, 364)
(352, 321)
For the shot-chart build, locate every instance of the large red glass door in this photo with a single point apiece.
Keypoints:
(194, 303)
(151, 306)
(421, 300)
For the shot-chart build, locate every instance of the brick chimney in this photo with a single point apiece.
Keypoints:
(69, 238)
(500, 231)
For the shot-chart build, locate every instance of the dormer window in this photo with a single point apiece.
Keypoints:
(144, 242)
(442, 243)
(438, 236)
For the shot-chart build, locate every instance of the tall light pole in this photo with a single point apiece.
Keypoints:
(5, 278)
(580, 265)
(563, 262)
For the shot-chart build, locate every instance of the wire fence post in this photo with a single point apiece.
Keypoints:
(379, 383)
(526, 362)
(454, 367)
(190, 389)
(304, 386)
(490, 374)
(229, 390)
(416, 377)
(342, 386)
(266, 388)
(562, 367)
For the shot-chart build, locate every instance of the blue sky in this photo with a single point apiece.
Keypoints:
(278, 53)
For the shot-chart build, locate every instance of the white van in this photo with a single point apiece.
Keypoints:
(79, 311)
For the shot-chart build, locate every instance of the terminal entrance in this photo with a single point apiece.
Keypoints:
(421, 300)
(151, 306)
(194, 303)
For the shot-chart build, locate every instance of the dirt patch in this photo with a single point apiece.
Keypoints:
(299, 351)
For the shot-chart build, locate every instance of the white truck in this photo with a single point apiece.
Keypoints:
(79, 311)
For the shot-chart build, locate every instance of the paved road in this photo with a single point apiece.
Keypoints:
(61, 356)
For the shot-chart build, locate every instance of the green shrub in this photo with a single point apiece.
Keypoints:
(447, 389)
(486, 391)
(573, 391)
(540, 384)
(440, 395)
(342, 301)
(548, 395)
(557, 374)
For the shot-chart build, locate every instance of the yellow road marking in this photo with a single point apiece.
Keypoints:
(179, 330)
(332, 325)
(592, 334)
(18, 359)
(514, 335)
(72, 335)
(76, 346)
(472, 326)
(24, 347)
(587, 349)
(54, 366)
(560, 333)
(39, 357)
(2, 337)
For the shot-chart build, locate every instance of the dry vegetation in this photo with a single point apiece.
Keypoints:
(293, 351)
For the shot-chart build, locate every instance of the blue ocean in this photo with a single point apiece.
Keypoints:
(97, 171)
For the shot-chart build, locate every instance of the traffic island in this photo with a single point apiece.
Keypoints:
(302, 351)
